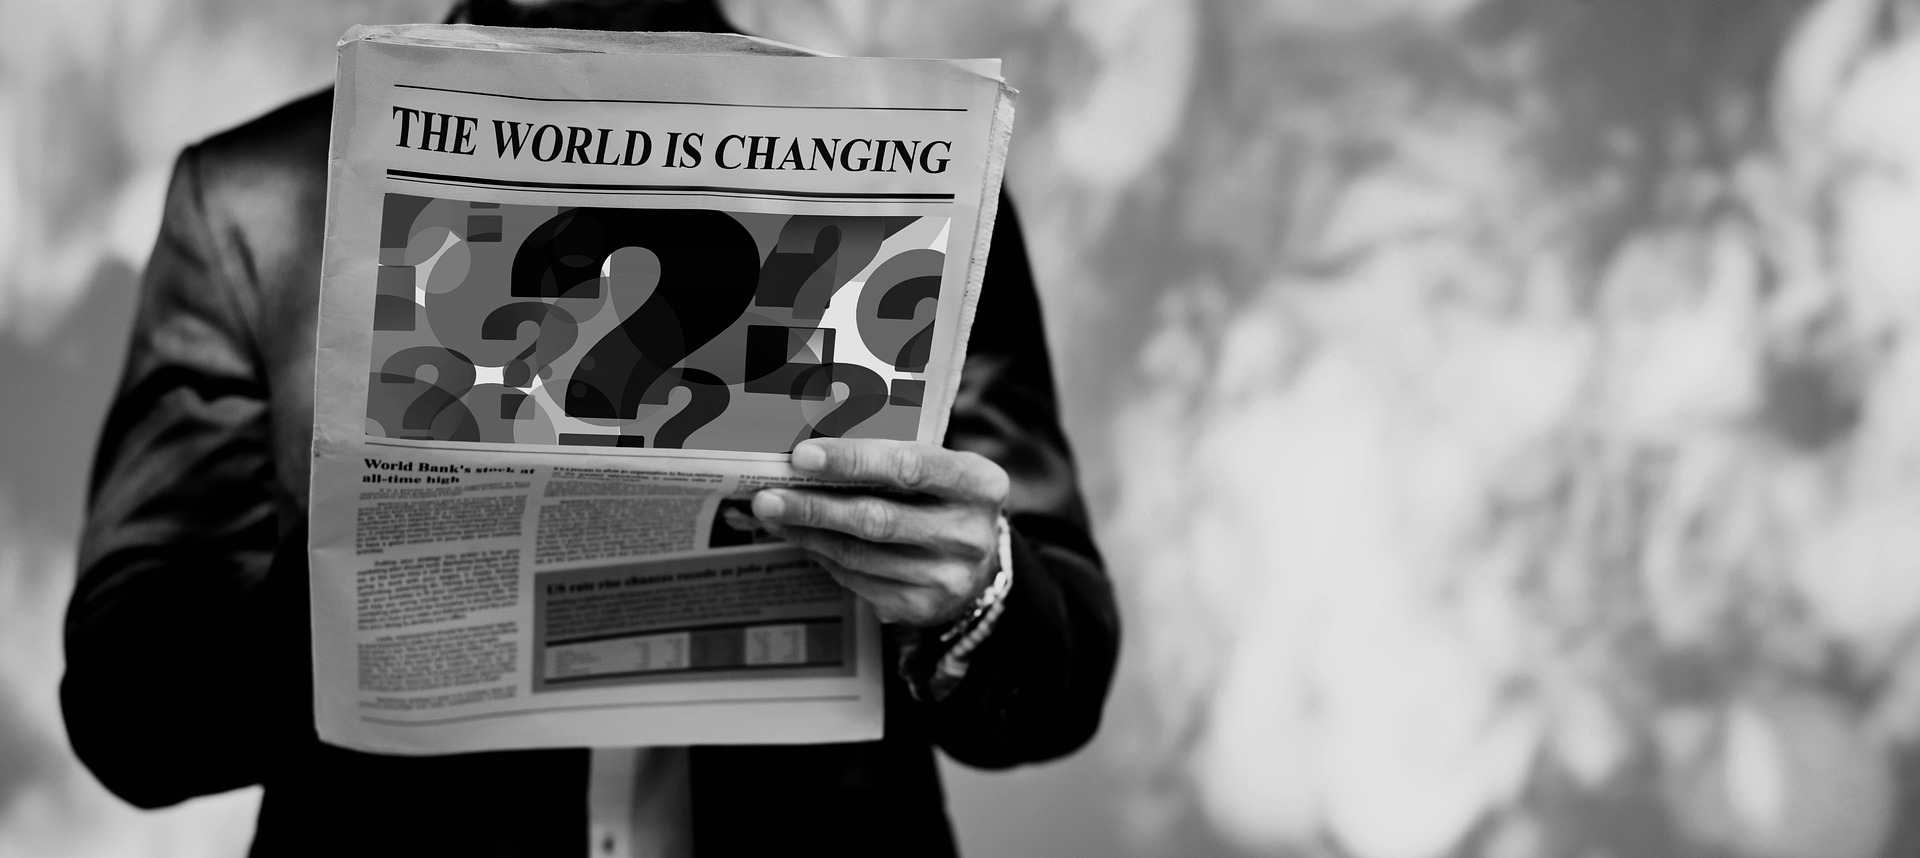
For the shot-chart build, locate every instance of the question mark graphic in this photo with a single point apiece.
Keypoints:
(556, 332)
(561, 258)
(902, 301)
(890, 305)
(814, 258)
(709, 400)
(709, 268)
(423, 409)
(866, 396)
(413, 240)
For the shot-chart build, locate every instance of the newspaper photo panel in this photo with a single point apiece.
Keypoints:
(641, 327)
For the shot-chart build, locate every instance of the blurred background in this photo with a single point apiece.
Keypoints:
(1502, 416)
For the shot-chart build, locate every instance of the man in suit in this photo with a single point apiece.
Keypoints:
(188, 658)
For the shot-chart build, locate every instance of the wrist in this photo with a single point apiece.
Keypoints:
(933, 662)
(999, 582)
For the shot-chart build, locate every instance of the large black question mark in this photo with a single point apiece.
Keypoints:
(709, 269)
(561, 258)
(426, 410)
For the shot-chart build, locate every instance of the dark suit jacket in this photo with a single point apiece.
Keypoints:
(188, 661)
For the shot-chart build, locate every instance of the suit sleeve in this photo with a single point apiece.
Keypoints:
(1034, 689)
(175, 679)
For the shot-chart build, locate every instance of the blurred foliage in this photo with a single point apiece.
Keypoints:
(1499, 411)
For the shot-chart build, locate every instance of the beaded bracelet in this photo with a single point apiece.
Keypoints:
(973, 630)
(996, 591)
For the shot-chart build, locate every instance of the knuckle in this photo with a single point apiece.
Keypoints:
(999, 486)
(970, 541)
(841, 553)
(909, 468)
(859, 461)
(986, 543)
(854, 555)
(803, 508)
(991, 480)
(876, 520)
(836, 457)
(839, 550)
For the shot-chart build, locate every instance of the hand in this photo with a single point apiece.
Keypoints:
(921, 556)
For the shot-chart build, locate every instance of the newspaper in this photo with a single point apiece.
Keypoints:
(582, 294)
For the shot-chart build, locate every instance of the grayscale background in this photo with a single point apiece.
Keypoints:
(1503, 416)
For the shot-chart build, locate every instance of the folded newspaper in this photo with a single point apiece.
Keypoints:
(582, 294)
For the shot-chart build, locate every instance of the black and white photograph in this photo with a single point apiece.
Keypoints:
(1213, 428)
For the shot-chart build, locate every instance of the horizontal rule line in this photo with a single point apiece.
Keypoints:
(668, 101)
(456, 446)
(597, 188)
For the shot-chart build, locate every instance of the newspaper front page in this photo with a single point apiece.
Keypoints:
(582, 294)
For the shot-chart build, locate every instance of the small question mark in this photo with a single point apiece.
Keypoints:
(556, 333)
(709, 400)
(423, 409)
(902, 301)
(866, 396)
(890, 305)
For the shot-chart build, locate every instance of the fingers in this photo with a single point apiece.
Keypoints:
(960, 531)
(839, 549)
(902, 590)
(919, 560)
(890, 599)
(905, 465)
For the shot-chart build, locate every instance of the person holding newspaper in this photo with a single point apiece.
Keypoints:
(920, 562)
(188, 646)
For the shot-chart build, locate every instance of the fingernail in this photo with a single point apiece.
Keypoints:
(809, 457)
(768, 505)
